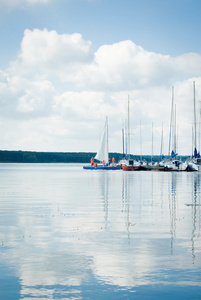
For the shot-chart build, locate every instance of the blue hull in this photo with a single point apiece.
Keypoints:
(101, 167)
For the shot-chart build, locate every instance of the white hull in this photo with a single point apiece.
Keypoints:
(192, 166)
(175, 165)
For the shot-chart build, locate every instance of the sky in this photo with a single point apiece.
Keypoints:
(67, 64)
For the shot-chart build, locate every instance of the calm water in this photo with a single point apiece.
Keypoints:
(69, 233)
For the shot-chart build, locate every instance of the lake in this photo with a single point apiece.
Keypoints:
(69, 233)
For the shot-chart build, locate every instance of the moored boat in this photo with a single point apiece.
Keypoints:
(102, 167)
(152, 166)
(195, 161)
(130, 165)
(103, 154)
(175, 165)
(192, 165)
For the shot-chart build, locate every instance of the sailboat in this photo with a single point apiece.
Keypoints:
(102, 154)
(162, 162)
(128, 164)
(174, 164)
(193, 164)
(152, 166)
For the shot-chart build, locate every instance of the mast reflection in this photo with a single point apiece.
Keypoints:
(195, 210)
(126, 200)
(172, 206)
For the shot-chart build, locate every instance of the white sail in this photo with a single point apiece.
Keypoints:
(102, 153)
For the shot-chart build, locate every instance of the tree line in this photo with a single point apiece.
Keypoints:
(49, 157)
(61, 157)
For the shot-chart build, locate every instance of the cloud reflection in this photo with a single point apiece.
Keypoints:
(123, 229)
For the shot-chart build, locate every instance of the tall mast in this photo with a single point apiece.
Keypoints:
(152, 144)
(175, 131)
(171, 120)
(194, 116)
(107, 139)
(199, 125)
(126, 139)
(128, 133)
(162, 141)
(192, 140)
(140, 142)
(123, 142)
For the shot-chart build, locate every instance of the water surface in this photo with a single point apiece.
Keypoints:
(69, 233)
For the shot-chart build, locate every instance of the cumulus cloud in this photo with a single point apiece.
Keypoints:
(23, 98)
(126, 65)
(119, 66)
(47, 52)
(60, 77)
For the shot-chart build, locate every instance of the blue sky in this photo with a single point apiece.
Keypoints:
(160, 38)
(167, 27)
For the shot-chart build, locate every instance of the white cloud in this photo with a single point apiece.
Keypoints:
(23, 98)
(120, 66)
(58, 76)
(49, 54)
(37, 98)
(83, 106)
(50, 48)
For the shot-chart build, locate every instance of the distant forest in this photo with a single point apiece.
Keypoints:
(60, 157)
(49, 157)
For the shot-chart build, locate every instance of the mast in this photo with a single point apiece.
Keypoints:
(175, 132)
(199, 125)
(152, 144)
(123, 142)
(162, 141)
(128, 133)
(195, 141)
(126, 139)
(171, 120)
(140, 142)
(192, 140)
(107, 139)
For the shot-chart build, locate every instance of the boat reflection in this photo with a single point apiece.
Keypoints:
(114, 234)
(195, 212)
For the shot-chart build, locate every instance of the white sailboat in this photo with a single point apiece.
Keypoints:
(102, 154)
(174, 164)
(128, 164)
(103, 151)
(195, 161)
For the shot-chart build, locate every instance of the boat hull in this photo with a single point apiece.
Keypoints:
(192, 167)
(101, 167)
(153, 168)
(130, 168)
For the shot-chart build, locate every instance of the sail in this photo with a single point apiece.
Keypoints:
(195, 153)
(102, 153)
(173, 154)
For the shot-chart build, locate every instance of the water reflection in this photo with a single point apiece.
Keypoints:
(195, 212)
(104, 184)
(126, 200)
(172, 207)
(68, 233)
